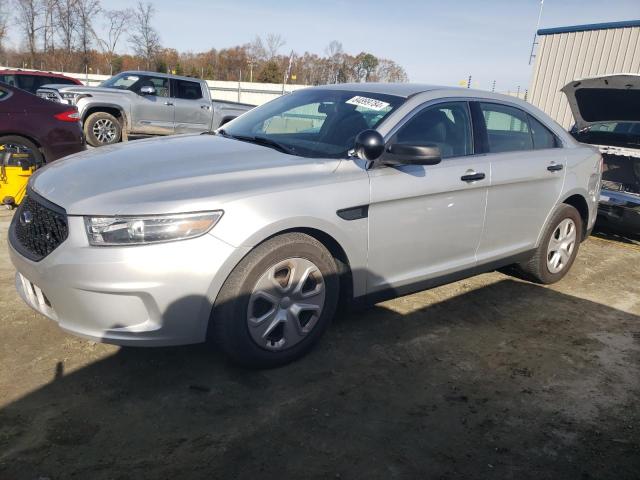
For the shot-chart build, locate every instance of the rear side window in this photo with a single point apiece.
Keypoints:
(187, 90)
(542, 136)
(445, 125)
(507, 128)
(9, 80)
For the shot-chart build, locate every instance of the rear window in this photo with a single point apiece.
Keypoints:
(188, 90)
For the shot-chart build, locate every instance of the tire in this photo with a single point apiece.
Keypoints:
(240, 321)
(21, 142)
(102, 128)
(553, 258)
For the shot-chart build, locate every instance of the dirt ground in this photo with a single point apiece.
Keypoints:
(489, 377)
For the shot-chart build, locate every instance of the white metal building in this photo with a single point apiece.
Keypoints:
(569, 53)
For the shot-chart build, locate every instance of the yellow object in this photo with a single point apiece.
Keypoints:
(13, 181)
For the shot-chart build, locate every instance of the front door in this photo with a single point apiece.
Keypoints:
(426, 221)
(153, 114)
(527, 177)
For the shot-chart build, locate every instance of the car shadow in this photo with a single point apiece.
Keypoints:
(508, 380)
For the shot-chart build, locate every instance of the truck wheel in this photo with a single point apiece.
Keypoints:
(277, 302)
(102, 128)
(558, 247)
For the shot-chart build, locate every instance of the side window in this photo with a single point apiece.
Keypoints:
(187, 90)
(9, 79)
(28, 82)
(507, 128)
(61, 81)
(161, 85)
(542, 136)
(446, 125)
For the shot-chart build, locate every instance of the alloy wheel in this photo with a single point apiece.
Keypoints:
(286, 303)
(561, 245)
(104, 130)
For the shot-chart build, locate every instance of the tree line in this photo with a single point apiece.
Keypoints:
(84, 36)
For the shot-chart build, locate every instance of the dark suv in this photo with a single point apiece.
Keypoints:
(31, 81)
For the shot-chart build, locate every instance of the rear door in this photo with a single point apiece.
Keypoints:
(527, 176)
(193, 109)
(426, 221)
(153, 114)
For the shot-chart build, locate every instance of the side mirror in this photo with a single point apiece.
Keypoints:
(147, 90)
(369, 145)
(399, 154)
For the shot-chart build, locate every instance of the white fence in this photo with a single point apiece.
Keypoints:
(245, 92)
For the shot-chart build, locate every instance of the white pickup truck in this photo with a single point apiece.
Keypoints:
(144, 104)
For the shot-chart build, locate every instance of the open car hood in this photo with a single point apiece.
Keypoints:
(608, 98)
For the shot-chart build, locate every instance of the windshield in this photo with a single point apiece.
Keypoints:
(122, 81)
(314, 122)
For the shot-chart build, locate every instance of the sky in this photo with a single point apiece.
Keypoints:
(436, 41)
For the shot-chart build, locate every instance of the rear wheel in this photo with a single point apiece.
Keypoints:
(102, 128)
(23, 151)
(277, 302)
(558, 247)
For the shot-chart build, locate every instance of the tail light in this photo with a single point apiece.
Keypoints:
(68, 115)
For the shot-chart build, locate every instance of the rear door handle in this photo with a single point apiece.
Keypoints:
(472, 177)
(169, 104)
(555, 167)
(205, 107)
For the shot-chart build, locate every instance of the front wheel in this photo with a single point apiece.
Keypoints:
(558, 248)
(102, 128)
(277, 302)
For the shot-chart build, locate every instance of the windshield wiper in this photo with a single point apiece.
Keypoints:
(264, 141)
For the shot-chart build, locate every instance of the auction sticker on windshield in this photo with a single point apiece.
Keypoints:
(366, 102)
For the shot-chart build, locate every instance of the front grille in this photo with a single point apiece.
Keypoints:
(38, 227)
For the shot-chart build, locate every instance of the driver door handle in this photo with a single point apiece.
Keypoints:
(472, 176)
(555, 167)
(170, 104)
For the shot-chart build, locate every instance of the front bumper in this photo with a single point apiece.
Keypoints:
(150, 295)
(619, 210)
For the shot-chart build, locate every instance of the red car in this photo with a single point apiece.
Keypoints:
(42, 129)
(32, 81)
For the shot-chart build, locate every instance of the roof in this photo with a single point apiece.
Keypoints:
(36, 73)
(398, 89)
(590, 26)
(160, 74)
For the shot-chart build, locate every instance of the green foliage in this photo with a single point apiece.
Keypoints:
(270, 73)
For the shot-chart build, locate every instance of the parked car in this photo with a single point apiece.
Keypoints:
(32, 80)
(607, 114)
(144, 103)
(40, 130)
(251, 237)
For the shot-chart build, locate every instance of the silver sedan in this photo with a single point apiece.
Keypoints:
(341, 194)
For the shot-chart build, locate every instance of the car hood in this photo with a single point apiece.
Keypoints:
(184, 173)
(608, 98)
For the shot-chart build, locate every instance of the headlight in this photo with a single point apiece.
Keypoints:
(153, 229)
(72, 98)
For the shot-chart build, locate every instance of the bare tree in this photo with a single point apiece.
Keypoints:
(28, 17)
(334, 53)
(116, 22)
(85, 11)
(144, 39)
(3, 23)
(274, 43)
(48, 25)
(66, 24)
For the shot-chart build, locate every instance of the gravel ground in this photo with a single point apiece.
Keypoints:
(489, 377)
